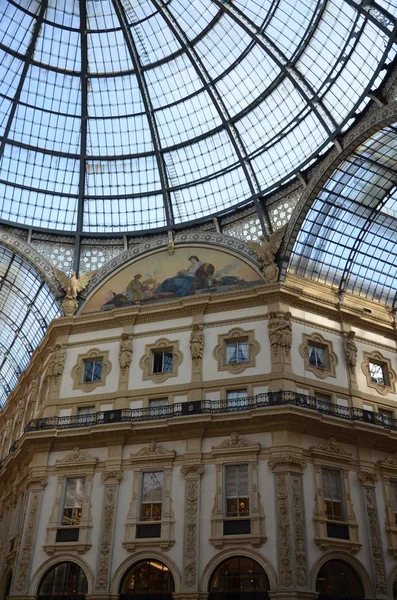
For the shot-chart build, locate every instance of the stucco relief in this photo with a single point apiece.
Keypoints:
(25, 556)
(284, 531)
(299, 531)
(102, 578)
(375, 538)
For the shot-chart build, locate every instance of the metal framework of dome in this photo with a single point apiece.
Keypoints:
(119, 116)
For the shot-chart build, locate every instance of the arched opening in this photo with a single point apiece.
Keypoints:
(6, 587)
(66, 580)
(336, 580)
(395, 589)
(147, 580)
(239, 578)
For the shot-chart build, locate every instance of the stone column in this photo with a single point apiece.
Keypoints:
(111, 480)
(288, 466)
(192, 473)
(368, 479)
(21, 578)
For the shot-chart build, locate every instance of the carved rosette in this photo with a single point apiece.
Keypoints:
(102, 577)
(284, 532)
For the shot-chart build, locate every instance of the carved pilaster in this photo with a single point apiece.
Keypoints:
(299, 530)
(192, 473)
(21, 579)
(374, 532)
(284, 532)
(105, 550)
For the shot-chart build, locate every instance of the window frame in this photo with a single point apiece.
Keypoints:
(146, 361)
(140, 504)
(93, 361)
(239, 404)
(375, 357)
(330, 358)
(78, 370)
(246, 515)
(236, 334)
(63, 500)
(162, 352)
(343, 518)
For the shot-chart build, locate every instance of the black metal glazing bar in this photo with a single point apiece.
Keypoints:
(130, 43)
(27, 62)
(210, 88)
(83, 133)
(297, 79)
(375, 13)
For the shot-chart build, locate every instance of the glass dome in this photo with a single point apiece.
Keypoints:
(119, 116)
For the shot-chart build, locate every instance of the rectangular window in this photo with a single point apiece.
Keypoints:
(158, 407)
(236, 488)
(85, 410)
(152, 496)
(393, 493)
(378, 373)
(316, 356)
(236, 399)
(323, 397)
(237, 352)
(332, 494)
(162, 361)
(73, 501)
(92, 370)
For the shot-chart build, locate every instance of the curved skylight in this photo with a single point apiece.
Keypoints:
(349, 236)
(27, 306)
(124, 115)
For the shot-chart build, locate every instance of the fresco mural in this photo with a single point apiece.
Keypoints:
(188, 272)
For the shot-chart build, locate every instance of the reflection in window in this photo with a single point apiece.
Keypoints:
(316, 356)
(152, 496)
(378, 373)
(237, 494)
(239, 575)
(146, 580)
(236, 399)
(73, 502)
(162, 361)
(336, 579)
(65, 580)
(237, 352)
(92, 370)
(332, 493)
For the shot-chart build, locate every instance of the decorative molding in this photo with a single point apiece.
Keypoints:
(234, 335)
(77, 372)
(153, 451)
(280, 336)
(389, 461)
(28, 542)
(299, 530)
(390, 380)
(287, 460)
(236, 441)
(76, 456)
(375, 540)
(104, 561)
(284, 532)
(191, 535)
(330, 446)
(114, 475)
(368, 477)
(192, 470)
(331, 360)
(146, 361)
(56, 363)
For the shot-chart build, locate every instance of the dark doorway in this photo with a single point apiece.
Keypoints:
(239, 578)
(148, 580)
(65, 581)
(337, 580)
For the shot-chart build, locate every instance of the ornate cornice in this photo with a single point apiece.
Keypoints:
(331, 446)
(287, 459)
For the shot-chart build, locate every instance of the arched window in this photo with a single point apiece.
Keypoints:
(147, 580)
(6, 588)
(66, 580)
(337, 580)
(239, 578)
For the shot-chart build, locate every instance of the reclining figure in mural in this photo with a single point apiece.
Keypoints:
(186, 281)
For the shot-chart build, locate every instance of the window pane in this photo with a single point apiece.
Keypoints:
(152, 496)
(88, 371)
(167, 362)
(236, 352)
(316, 356)
(73, 503)
(377, 373)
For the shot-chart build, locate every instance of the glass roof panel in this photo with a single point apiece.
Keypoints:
(349, 236)
(27, 306)
(154, 84)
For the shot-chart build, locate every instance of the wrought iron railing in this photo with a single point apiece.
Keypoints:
(281, 398)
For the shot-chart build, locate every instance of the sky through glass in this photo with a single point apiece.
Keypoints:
(122, 115)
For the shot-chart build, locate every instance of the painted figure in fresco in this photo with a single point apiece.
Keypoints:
(182, 283)
(135, 289)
